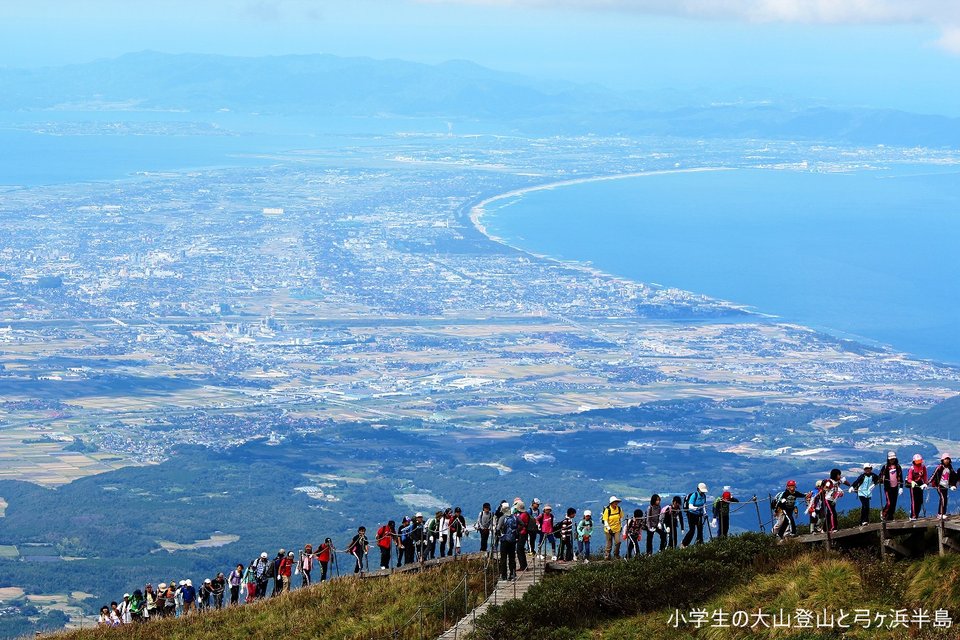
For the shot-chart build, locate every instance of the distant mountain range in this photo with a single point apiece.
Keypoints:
(330, 86)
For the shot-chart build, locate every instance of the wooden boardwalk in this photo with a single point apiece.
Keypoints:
(504, 592)
(948, 535)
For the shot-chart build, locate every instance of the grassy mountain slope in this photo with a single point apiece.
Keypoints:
(341, 609)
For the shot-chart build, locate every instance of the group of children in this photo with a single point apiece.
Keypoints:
(822, 500)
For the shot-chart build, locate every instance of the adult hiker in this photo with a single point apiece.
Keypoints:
(612, 518)
(695, 505)
(219, 585)
(633, 533)
(568, 534)
(785, 510)
(532, 532)
(324, 555)
(458, 529)
(189, 597)
(275, 571)
(816, 507)
(832, 489)
(545, 525)
(891, 476)
(261, 573)
(508, 533)
(503, 510)
(484, 525)
(443, 531)
(721, 513)
(944, 479)
(169, 592)
(358, 548)
(433, 535)
(584, 533)
(863, 486)
(917, 481)
(413, 540)
(137, 606)
(305, 564)
(385, 536)
(654, 525)
(285, 571)
(205, 595)
(235, 580)
(124, 610)
(250, 585)
(673, 521)
(525, 525)
(150, 598)
(178, 598)
(403, 540)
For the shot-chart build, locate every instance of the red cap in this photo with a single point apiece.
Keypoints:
(727, 495)
(791, 483)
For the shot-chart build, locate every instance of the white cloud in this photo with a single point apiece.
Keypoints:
(950, 40)
(797, 11)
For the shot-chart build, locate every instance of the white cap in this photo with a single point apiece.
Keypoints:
(536, 501)
(614, 499)
(263, 555)
(726, 487)
(189, 584)
(207, 581)
(891, 455)
(183, 583)
(587, 513)
(419, 515)
(702, 487)
(126, 595)
(162, 586)
(917, 457)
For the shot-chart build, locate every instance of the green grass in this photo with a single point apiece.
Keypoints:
(344, 609)
(9, 552)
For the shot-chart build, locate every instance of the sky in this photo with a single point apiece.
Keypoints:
(902, 54)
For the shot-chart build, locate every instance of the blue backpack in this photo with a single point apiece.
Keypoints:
(509, 529)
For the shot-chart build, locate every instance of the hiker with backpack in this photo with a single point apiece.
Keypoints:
(433, 533)
(695, 505)
(672, 515)
(235, 580)
(458, 529)
(815, 507)
(532, 534)
(405, 548)
(784, 506)
(385, 536)
(891, 475)
(584, 533)
(633, 533)
(917, 481)
(944, 479)
(484, 525)
(545, 526)
(568, 533)
(525, 525)
(443, 531)
(654, 524)
(274, 570)
(721, 513)
(261, 572)
(612, 518)
(508, 533)
(863, 486)
(358, 548)
(832, 489)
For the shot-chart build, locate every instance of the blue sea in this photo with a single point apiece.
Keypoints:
(873, 255)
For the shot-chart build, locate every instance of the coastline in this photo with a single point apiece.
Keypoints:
(478, 210)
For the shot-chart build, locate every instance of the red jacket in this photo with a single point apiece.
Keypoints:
(917, 474)
(323, 553)
(384, 537)
(285, 567)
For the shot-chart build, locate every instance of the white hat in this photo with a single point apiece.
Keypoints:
(183, 583)
(162, 586)
(702, 487)
(536, 501)
(126, 595)
(207, 581)
(614, 499)
(189, 584)
(917, 457)
(419, 515)
(867, 465)
(263, 555)
(587, 513)
(891, 455)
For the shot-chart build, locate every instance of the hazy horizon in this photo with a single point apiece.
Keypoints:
(876, 54)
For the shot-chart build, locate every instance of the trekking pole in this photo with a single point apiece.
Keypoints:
(759, 519)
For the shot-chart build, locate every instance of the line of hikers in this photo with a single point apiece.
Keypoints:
(513, 530)
(822, 500)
